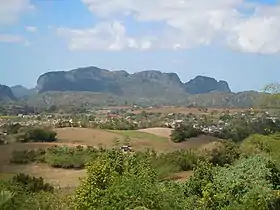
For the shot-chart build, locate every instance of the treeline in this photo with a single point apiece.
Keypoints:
(235, 131)
(28, 133)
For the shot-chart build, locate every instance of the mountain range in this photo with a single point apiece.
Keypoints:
(145, 83)
(92, 84)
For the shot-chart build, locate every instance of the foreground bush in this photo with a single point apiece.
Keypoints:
(32, 184)
(248, 184)
(119, 181)
(24, 192)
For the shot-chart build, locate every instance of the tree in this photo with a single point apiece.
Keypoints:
(271, 97)
(184, 132)
(248, 184)
(118, 181)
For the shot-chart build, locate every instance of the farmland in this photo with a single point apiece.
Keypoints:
(140, 140)
(171, 143)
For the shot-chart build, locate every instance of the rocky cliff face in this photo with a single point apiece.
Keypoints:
(202, 84)
(6, 94)
(149, 83)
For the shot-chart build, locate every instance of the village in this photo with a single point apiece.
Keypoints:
(127, 118)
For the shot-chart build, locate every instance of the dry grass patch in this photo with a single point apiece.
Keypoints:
(163, 132)
(87, 136)
(65, 178)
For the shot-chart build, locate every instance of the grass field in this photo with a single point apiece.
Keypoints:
(155, 138)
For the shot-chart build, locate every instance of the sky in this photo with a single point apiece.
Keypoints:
(233, 40)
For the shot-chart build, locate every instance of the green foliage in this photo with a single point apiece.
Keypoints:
(32, 184)
(248, 184)
(118, 181)
(225, 153)
(183, 133)
(67, 157)
(241, 129)
(37, 135)
(182, 160)
(27, 156)
(5, 198)
(269, 145)
(29, 193)
(272, 97)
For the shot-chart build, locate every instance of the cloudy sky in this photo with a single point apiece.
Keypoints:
(233, 40)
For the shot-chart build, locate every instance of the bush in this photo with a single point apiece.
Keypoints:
(67, 157)
(32, 184)
(184, 132)
(118, 181)
(27, 156)
(26, 192)
(181, 160)
(226, 153)
(248, 184)
(38, 135)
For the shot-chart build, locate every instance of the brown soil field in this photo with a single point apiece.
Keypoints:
(163, 132)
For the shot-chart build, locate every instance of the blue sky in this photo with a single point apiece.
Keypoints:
(233, 40)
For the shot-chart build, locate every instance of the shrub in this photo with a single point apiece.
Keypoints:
(27, 156)
(38, 135)
(184, 132)
(226, 153)
(118, 181)
(248, 184)
(67, 157)
(32, 184)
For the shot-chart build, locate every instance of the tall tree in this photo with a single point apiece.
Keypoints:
(271, 97)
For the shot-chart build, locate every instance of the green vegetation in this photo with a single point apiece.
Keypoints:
(24, 192)
(184, 132)
(241, 129)
(65, 157)
(229, 176)
(37, 135)
(250, 183)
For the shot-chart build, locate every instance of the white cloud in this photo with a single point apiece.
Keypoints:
(31, 29)
(10, 10)
(249, 27)
(111, 36)
(259, 33)
(9, 38)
